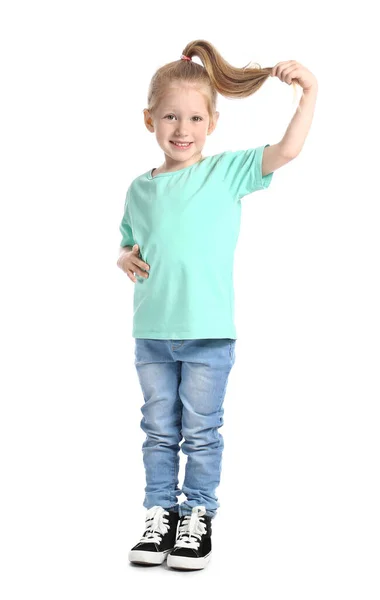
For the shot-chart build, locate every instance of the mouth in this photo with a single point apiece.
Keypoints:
(181, 145)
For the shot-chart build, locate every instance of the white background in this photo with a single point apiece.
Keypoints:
(300, 478)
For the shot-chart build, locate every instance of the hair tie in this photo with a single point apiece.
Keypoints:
(185, 57)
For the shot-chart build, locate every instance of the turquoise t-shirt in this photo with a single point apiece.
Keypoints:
(187, 223)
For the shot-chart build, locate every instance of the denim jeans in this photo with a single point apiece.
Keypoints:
(184, 384)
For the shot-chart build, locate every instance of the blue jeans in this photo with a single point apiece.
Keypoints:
(183, 383)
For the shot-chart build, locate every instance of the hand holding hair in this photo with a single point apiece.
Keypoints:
(291, 71)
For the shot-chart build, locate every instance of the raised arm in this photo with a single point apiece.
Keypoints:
(291, 144)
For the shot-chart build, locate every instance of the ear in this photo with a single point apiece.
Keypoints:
(148, 120)
(213, 123)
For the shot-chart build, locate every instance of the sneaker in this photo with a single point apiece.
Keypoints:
(192, 548)
(158, 538)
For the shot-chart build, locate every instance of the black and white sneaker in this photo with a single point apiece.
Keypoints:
(158, 538)
(192, 548)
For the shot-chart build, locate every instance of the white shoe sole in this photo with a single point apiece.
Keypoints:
(186, 562)
(148, 558)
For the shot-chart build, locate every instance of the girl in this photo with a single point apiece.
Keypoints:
(179, 232)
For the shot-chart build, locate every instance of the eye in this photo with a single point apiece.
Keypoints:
(200, 118)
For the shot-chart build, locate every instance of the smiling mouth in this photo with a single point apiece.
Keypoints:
(181, 144)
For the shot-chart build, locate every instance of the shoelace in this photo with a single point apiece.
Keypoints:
(155, 526)
(191, 529)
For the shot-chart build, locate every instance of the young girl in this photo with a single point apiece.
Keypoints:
(179, 232)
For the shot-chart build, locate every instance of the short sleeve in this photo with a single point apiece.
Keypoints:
(125, 227)
(243, 171)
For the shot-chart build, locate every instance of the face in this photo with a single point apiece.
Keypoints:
(181, 116)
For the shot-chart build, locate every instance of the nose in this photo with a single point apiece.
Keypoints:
(181, 130)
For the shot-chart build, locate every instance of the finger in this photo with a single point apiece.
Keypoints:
(140, 266)
(144, 265)
(288, 74)
(278, 68)
(131, 276)
(140, 271)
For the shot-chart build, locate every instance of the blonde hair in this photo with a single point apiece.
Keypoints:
(216, 75)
